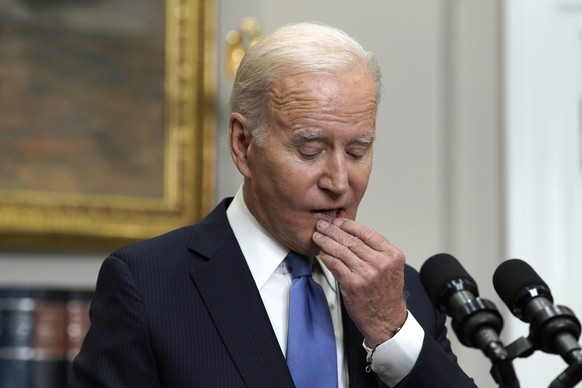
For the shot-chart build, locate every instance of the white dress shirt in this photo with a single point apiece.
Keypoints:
(265, 256)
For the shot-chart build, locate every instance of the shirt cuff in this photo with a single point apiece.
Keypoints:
(394, 359)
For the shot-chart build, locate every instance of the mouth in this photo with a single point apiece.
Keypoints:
(330, 213)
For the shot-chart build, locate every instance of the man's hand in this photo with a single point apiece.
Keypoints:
(370, 273)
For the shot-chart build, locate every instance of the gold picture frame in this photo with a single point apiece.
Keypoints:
(40, 213)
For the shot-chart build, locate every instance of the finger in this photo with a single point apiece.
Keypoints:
(332, 242)
(338, 234)
(369, 236)
(347, 240)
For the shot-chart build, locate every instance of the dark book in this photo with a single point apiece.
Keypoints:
(49, 367)
(17, 323)
(41, 331)
(77, 322)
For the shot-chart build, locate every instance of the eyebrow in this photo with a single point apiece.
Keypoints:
(306, 135)
(310, 136)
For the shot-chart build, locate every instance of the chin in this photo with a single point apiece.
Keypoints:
(306, 249)
(313, 249)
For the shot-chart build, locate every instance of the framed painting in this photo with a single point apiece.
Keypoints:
(106, 120)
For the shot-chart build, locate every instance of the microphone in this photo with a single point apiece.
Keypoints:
(476, 322)
(553, 329)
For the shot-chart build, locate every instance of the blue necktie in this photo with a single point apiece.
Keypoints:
(311, 350)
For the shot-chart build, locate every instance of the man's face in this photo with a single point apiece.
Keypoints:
(317, 159)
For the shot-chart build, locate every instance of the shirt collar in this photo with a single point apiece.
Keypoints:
(261, 250)
(327, 274)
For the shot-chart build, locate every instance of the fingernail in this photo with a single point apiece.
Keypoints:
(338, 221)
(317, 235)
(322, 224)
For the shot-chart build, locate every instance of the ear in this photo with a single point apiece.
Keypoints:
(240, 142)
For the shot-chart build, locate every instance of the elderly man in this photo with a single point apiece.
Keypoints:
(238, 300)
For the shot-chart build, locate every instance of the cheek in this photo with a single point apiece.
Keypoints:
(267, 172)
(282, 182)
(295, 176)
(359, 175)
(361, 180)
(359, 184)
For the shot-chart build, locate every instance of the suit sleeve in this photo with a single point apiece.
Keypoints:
(436, 367)
(116, 351)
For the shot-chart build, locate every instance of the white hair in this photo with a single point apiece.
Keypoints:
(293, 49)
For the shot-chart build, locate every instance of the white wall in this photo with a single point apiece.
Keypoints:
(544, 156)
(473, 144)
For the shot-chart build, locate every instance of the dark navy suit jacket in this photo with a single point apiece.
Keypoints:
(183, 310)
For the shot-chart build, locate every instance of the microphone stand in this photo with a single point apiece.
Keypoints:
(488, 323)
(569, 377)
(547, 323)
(572, 375)
(502, 368)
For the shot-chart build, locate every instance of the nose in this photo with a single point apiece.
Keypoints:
(335, 175)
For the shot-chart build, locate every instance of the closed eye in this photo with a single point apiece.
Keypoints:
(309, 152)
(358, 152)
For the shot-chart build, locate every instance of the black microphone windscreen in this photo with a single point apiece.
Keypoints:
(438, 271)
(514, 276)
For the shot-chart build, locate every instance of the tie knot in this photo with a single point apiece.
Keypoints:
(299, 265)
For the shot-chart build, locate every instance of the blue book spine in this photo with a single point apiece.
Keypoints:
(17, 324)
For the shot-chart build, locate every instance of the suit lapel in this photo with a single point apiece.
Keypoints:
(226, 285)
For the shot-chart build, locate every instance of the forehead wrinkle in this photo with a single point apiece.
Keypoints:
(306, 101)
(284, 100)
(324, 117)
(297, 105)
(285, 95)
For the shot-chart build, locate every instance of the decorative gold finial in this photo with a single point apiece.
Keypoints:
(238, 42)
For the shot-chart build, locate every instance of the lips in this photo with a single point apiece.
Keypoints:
(331, 213)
